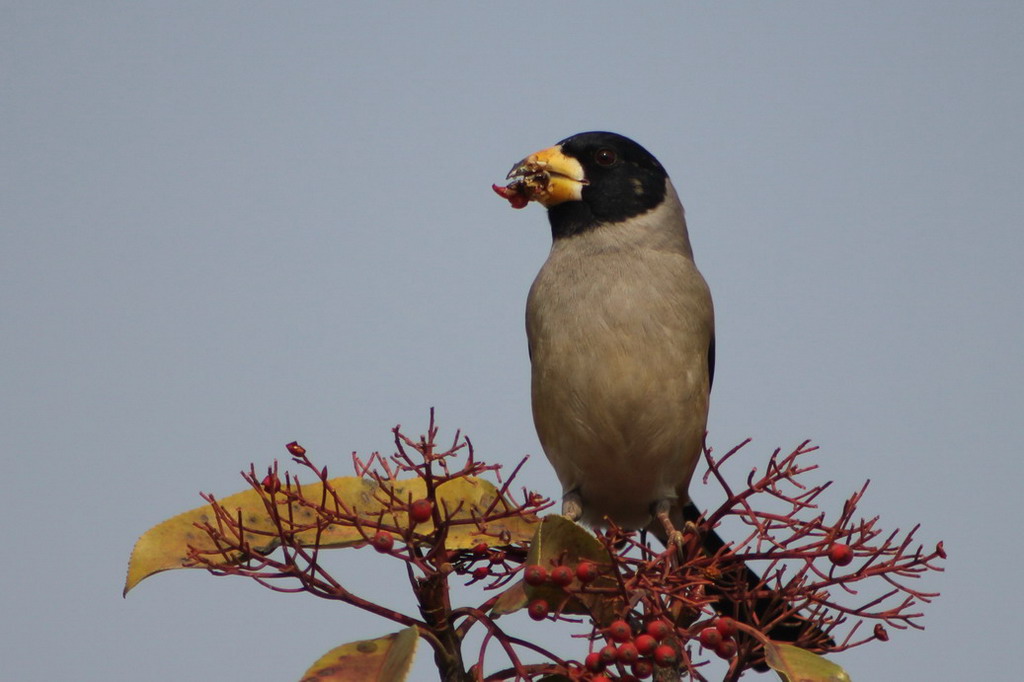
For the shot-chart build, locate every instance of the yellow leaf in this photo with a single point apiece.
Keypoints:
(386, 659)
(166, 545)
(799, 665)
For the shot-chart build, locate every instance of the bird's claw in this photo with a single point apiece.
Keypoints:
(572, 506)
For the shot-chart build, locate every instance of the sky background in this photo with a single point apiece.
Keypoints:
(226, 226)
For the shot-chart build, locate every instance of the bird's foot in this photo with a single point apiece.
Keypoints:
(572, 506)
(675, 538)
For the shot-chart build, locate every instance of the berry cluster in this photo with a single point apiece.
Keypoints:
(561, 576)
(720, 638)
(638, 652)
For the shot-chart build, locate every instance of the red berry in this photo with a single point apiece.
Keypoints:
(586, 572)
(840, 554)
(658, 629)
(480, 549)
(645, 644)
(562, 576)
(383, 542)
(271, 483)
(421, 510)
(593, 662)
(515, 194)
(627, 653)
(481, 572)
(608, 654)
(710, 638)
(538, 609)
(727, 649)
(726, 626)
(643, 669)
(620, 631)
(295, 449)
(535, 575)
(665, 655)
(497, 558)
(600, 678)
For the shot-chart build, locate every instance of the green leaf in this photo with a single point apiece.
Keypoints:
(559, 540)
(386, 659)
(511, 600)
(166, 545)
(799, 665)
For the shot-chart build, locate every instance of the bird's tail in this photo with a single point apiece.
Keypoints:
(742, 579)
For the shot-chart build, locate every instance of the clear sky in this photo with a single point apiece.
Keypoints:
(226, 226)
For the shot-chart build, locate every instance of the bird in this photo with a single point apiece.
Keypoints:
(621, 335)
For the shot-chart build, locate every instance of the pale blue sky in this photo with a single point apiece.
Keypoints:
(226, 226)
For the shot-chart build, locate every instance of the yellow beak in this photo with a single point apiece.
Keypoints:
(549, 177)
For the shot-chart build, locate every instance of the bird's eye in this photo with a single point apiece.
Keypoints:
(605, 157)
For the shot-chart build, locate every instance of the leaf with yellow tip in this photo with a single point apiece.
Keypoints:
(386, 659)
(794, 664)
(166, 545)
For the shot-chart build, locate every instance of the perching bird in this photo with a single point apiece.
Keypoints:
(621, 336)
(621, 333)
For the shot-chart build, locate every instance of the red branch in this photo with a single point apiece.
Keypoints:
(807, 585)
